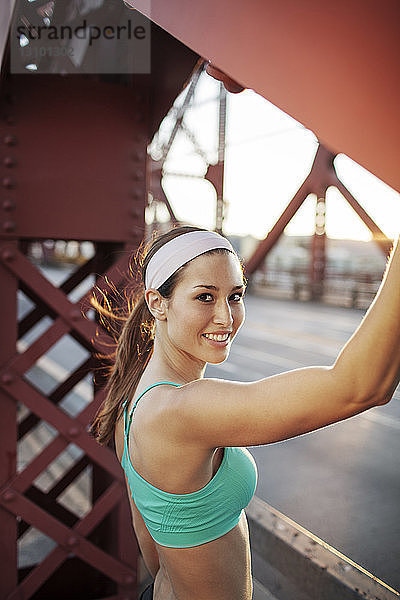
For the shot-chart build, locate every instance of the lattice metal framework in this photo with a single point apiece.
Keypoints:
(52, 129)
(321, 176)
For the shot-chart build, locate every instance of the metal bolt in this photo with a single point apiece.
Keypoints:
(7, 378)
(138, 155)
(73, 432)
(137, 212)
(72, 541)
(9, 226)
(8, 255)
(137, 194)
(10, 140)
(8, 204)
(137, 176)
(9, 161)
(8, 183)
(9, 496)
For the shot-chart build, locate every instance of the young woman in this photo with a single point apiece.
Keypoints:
(181, 437)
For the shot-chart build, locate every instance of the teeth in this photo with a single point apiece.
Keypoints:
(217, 338)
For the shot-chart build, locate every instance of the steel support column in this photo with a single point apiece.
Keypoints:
(318, 258)
(215, 173)
(83, 180)
(8, 437)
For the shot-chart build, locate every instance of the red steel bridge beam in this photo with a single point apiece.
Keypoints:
(321, 176)
(331, 66)
(67, 173)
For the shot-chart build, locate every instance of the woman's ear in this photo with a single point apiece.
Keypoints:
(156, 304)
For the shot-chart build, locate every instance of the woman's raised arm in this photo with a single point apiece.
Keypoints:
(365, 374)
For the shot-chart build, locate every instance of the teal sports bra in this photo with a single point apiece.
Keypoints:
(186, 520)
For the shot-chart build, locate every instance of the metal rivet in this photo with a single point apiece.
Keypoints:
(73, 432)
(8, 204)
(138, 175)
(9, 161)
(137, 211)
(72, 541)
(9, 226)
(128, 580)
(10, 140)
(8, 183)
(9, 496)
(7, 378)
(137, 194)
(8, 255)
(75, 314)
(138, 155)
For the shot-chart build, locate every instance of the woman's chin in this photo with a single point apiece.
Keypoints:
(217, 361)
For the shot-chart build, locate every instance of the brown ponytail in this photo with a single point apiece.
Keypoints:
(135, 341)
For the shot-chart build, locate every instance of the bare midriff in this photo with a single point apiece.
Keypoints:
(217, 570)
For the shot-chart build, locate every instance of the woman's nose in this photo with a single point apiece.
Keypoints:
(223, 314)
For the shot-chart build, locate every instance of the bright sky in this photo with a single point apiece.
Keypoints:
(268, 156)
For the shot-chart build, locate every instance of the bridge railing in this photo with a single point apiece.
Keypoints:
(290, 562)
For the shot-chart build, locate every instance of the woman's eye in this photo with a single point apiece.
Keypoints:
(204, 297)
(209, 297)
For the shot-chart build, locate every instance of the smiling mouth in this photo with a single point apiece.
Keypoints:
(217, 337)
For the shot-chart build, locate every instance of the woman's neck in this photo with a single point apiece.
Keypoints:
(173, 365)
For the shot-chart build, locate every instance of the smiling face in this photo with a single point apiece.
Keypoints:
(206, 309)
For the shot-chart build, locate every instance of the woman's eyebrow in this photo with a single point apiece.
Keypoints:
(213, 287)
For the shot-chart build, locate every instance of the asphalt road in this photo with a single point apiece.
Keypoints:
(342, 482)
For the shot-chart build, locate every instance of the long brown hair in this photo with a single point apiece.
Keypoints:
(136, 338)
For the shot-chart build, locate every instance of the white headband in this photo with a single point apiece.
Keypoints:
(179, 251)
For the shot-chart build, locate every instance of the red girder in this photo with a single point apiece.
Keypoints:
(331, 66)
(69, 539)
(55, 300)
(321, 176)
(72, 430)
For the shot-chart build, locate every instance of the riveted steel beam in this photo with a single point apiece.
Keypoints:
(333, 67)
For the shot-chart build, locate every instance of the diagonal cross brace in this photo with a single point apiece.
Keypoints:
(71, 540)
(47, 293)
(71, 429)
